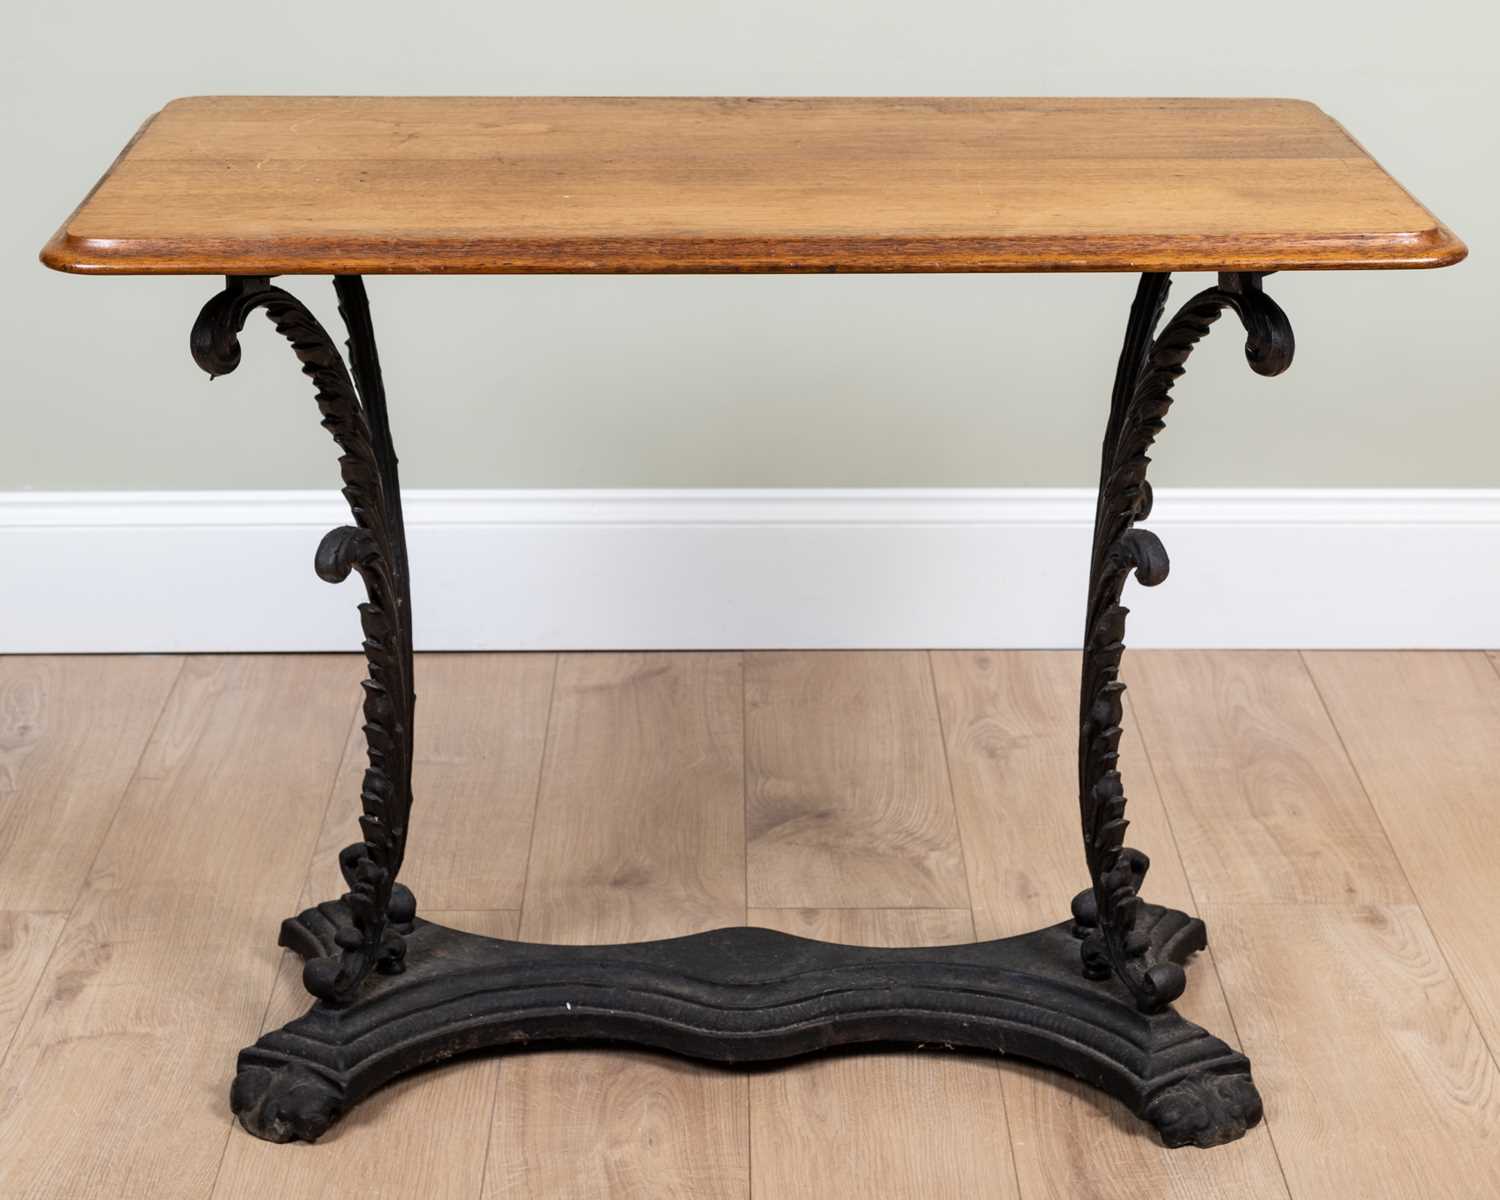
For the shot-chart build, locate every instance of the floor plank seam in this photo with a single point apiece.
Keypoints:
(536, 804)
(307, 883)
(1236, 746)
(1416, 896)
(1187, 880)
(27, 1014)
(25, 1008)
(963, 850)
(536, 801)
(963, 859)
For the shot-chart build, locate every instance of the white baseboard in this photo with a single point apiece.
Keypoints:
(223, 571)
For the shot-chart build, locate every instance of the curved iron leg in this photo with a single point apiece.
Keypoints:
(1106, 914)
(354, 412)
(734, 995)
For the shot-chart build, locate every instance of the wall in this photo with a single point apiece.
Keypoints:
(754, 382)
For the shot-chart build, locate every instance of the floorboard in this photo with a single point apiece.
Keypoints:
(1423, 731)
(1328, 814)
(639, 834)
(481, 725)
(940, 1129)
(1011, 725)
(72, 730)
(1375, 1076)
(849, 805)
(1264, 802)
(423, 1136)
(116, 1081)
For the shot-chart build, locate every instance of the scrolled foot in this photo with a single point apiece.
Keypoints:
(284, 1104)
(1205, 1110)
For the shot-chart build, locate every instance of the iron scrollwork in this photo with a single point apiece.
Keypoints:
(745, 994)
(1106, 914)
(354, 413)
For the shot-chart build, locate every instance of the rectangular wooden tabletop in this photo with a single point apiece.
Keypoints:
(287, 185)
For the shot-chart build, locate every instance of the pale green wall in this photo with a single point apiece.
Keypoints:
(838, 381)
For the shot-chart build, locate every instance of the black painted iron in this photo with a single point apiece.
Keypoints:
(395, 993)
(375, 546)
(745, 995)
(1149, 366)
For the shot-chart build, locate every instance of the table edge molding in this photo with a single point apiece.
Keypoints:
(1433, 247)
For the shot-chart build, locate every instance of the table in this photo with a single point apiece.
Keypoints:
(256, 187)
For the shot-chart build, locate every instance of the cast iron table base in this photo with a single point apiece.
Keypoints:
(1091, 996)
(745, 995)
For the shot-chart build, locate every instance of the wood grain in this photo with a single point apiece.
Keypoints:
(1376, 1080)
(1375, 1072)
(116, 1079)
(281, 184)
(940, 1129)
(1011, 724)
(481, 725)
(849, 805)
(68, 747)
(640, 824)
(1263, 800)
(1340, 994)
(423, 1135)
(639, 834)
(1010, 719)
(1422, 730)
(26, 943)
(602, 1124)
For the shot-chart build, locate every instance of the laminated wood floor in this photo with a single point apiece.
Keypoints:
(1331, 815)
